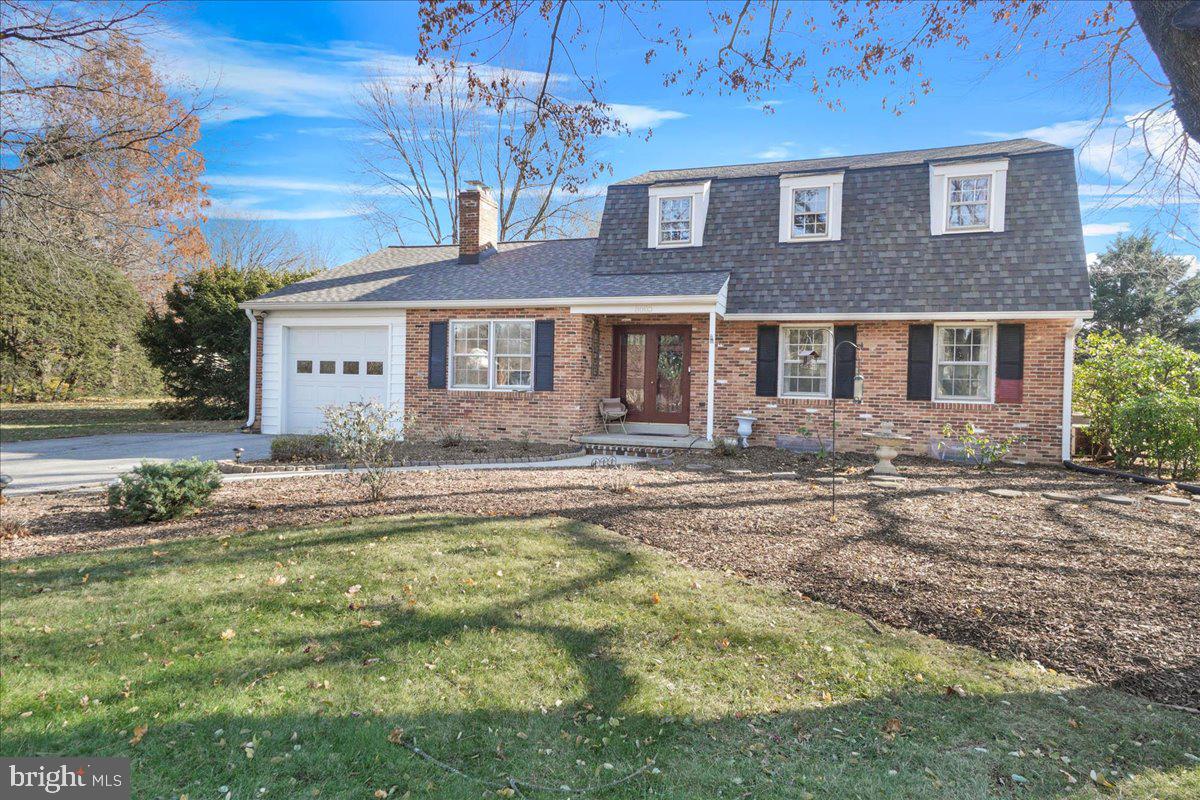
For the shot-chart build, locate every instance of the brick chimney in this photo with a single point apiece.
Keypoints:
(478, 223)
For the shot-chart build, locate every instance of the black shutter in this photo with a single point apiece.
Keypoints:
(920, 362)
(845, 361)
(438, 337)
(543, 355)
(766, 382)
(1010, 352)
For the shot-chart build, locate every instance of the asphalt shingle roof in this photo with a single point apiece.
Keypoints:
(556, 269)
(886, 260)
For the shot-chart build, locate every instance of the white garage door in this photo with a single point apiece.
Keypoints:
(332, 366)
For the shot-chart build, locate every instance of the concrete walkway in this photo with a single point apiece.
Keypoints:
(92, 462)
(55, 464)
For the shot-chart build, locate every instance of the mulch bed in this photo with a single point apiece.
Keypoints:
(1107, 592)
(419, 451)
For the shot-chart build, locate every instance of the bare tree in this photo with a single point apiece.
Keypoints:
(252, 243)
(755, 47)
(99, 158)
(427, 137)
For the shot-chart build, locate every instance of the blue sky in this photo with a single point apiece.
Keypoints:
(279, 137)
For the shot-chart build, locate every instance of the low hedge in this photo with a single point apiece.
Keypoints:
(295, 447)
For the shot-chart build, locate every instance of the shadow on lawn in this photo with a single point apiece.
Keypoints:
(947, 744)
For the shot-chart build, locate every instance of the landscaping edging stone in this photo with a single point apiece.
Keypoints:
(234, 468)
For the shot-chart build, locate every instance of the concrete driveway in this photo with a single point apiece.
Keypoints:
(55, 464)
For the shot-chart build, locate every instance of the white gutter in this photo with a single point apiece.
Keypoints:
(1068, 387)
(706, 300)
(712, 371)
(253, 364)
(915, 316)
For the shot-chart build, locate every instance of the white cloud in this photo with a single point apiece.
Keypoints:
(236, 211)
(1105, 228)
(283, 184)
(641, 117)
(776, 153)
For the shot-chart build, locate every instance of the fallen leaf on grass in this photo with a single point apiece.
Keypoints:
(370, 623)
(892, 726)
(956, 690)
(228, 634)
(396, 736)
(655, 599)
(138, 732)
(277, 580)
(353, 590)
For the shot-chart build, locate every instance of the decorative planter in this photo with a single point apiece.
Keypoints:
(745, 428)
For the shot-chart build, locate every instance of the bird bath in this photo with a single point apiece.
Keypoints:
(886, 441)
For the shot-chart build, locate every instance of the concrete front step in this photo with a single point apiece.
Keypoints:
(645, 441)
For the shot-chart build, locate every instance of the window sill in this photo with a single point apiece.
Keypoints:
(491, 389)
(808, 239)
(964, 401)
(953, 231)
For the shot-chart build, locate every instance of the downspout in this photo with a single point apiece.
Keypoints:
(1068, 387)
(253, 366)
(712, 369)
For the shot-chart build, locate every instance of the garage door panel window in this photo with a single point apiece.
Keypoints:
(349, 367)
(492, 355)
(374, 367)
(328, 367)
(304, 367)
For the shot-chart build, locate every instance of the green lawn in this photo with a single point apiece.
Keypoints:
(549, 651)
(22, 422)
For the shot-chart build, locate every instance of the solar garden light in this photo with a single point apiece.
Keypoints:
(237, 454)
(805, 357)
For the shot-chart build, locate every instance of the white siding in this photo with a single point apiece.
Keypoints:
(275, 345)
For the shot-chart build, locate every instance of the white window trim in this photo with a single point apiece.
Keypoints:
(830, 181)
(937, 360)
(828, 393)
(492, 386)
(939, 194)
(698, 192)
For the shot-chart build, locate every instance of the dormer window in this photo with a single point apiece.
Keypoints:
(677, 214)
(968, 206)
(967, 197)
(675, 220)
(810, 208)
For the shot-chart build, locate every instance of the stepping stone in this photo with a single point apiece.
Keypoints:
(1062, 497)
(1007, 493)
(947, 490)
(699, 467)
(737, 472)
(783, 474)
(895, 478)
(884, 484)
(825, 479)
(1168, 500)
(1118, 499)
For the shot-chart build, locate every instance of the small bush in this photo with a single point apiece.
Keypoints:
(728, 448)
(364, 434)
(451, 438)
(1162, 431)
(979, 448)
(294, 447)
(156, 492)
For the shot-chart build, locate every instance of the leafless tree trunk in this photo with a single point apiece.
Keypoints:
(1178, 50)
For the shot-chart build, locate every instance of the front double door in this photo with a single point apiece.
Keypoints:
(651, 370)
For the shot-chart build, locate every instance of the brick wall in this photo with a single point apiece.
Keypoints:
(258, 374)
(571, 408)
(884, 367)
(542, 416)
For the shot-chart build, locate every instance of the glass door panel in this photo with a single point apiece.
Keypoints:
(635, 371)
(669, 394)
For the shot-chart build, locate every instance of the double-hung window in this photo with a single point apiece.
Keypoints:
(804, 361)
(810, 207)
(963, 357)
(967, 205)
(494, 354)
(674, 220)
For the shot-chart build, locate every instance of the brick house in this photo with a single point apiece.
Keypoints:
(958, 273)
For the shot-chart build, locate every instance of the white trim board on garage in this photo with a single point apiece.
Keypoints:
(310, 330)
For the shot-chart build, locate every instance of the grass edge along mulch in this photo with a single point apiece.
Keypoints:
(279, 662)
